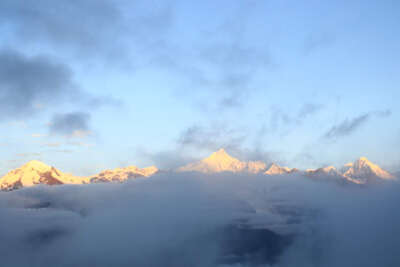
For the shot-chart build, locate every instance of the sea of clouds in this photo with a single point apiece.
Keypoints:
(192, 219)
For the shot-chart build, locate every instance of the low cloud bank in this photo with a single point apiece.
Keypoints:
(191, 219)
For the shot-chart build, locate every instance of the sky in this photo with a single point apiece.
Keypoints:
(89, 85)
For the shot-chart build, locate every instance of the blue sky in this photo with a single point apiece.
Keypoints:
(88, 85)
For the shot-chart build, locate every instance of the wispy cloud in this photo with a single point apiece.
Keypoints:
(282, 122)
(349, 126)
(212, 138)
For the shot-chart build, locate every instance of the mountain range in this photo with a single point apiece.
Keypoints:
(362, 171)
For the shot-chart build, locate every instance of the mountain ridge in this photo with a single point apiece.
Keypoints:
(34, 172)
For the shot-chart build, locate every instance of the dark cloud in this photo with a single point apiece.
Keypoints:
(220, 64)
(102, 29)
(74, 124)
(348, 126)
(28, 84)
(84, 25)
(32, 84)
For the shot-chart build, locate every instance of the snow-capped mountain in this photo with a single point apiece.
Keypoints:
(328, 173)
(275, 169)
(220, 161)
(122, 174)
(36, 172)
(364, 171)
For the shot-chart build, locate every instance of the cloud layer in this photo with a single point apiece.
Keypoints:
(194, 220)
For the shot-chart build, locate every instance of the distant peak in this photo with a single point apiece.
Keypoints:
(220, 155)
(365, 170)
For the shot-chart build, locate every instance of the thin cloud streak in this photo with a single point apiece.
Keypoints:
(348, 126)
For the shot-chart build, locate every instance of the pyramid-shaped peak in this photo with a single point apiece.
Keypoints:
(220, 155)
(275, 169)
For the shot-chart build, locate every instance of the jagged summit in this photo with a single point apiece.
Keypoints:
(122, 174)
(275, 169)
(36, 172)
(361, 171)
(365, 171)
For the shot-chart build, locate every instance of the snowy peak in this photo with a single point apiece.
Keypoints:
(328, 173)
(362, 171)
(365, 171)
(36, 172)
(220, 161)
(35, 165)
(329, 170)
(275, 169)
(220, 155)
(122, 174)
